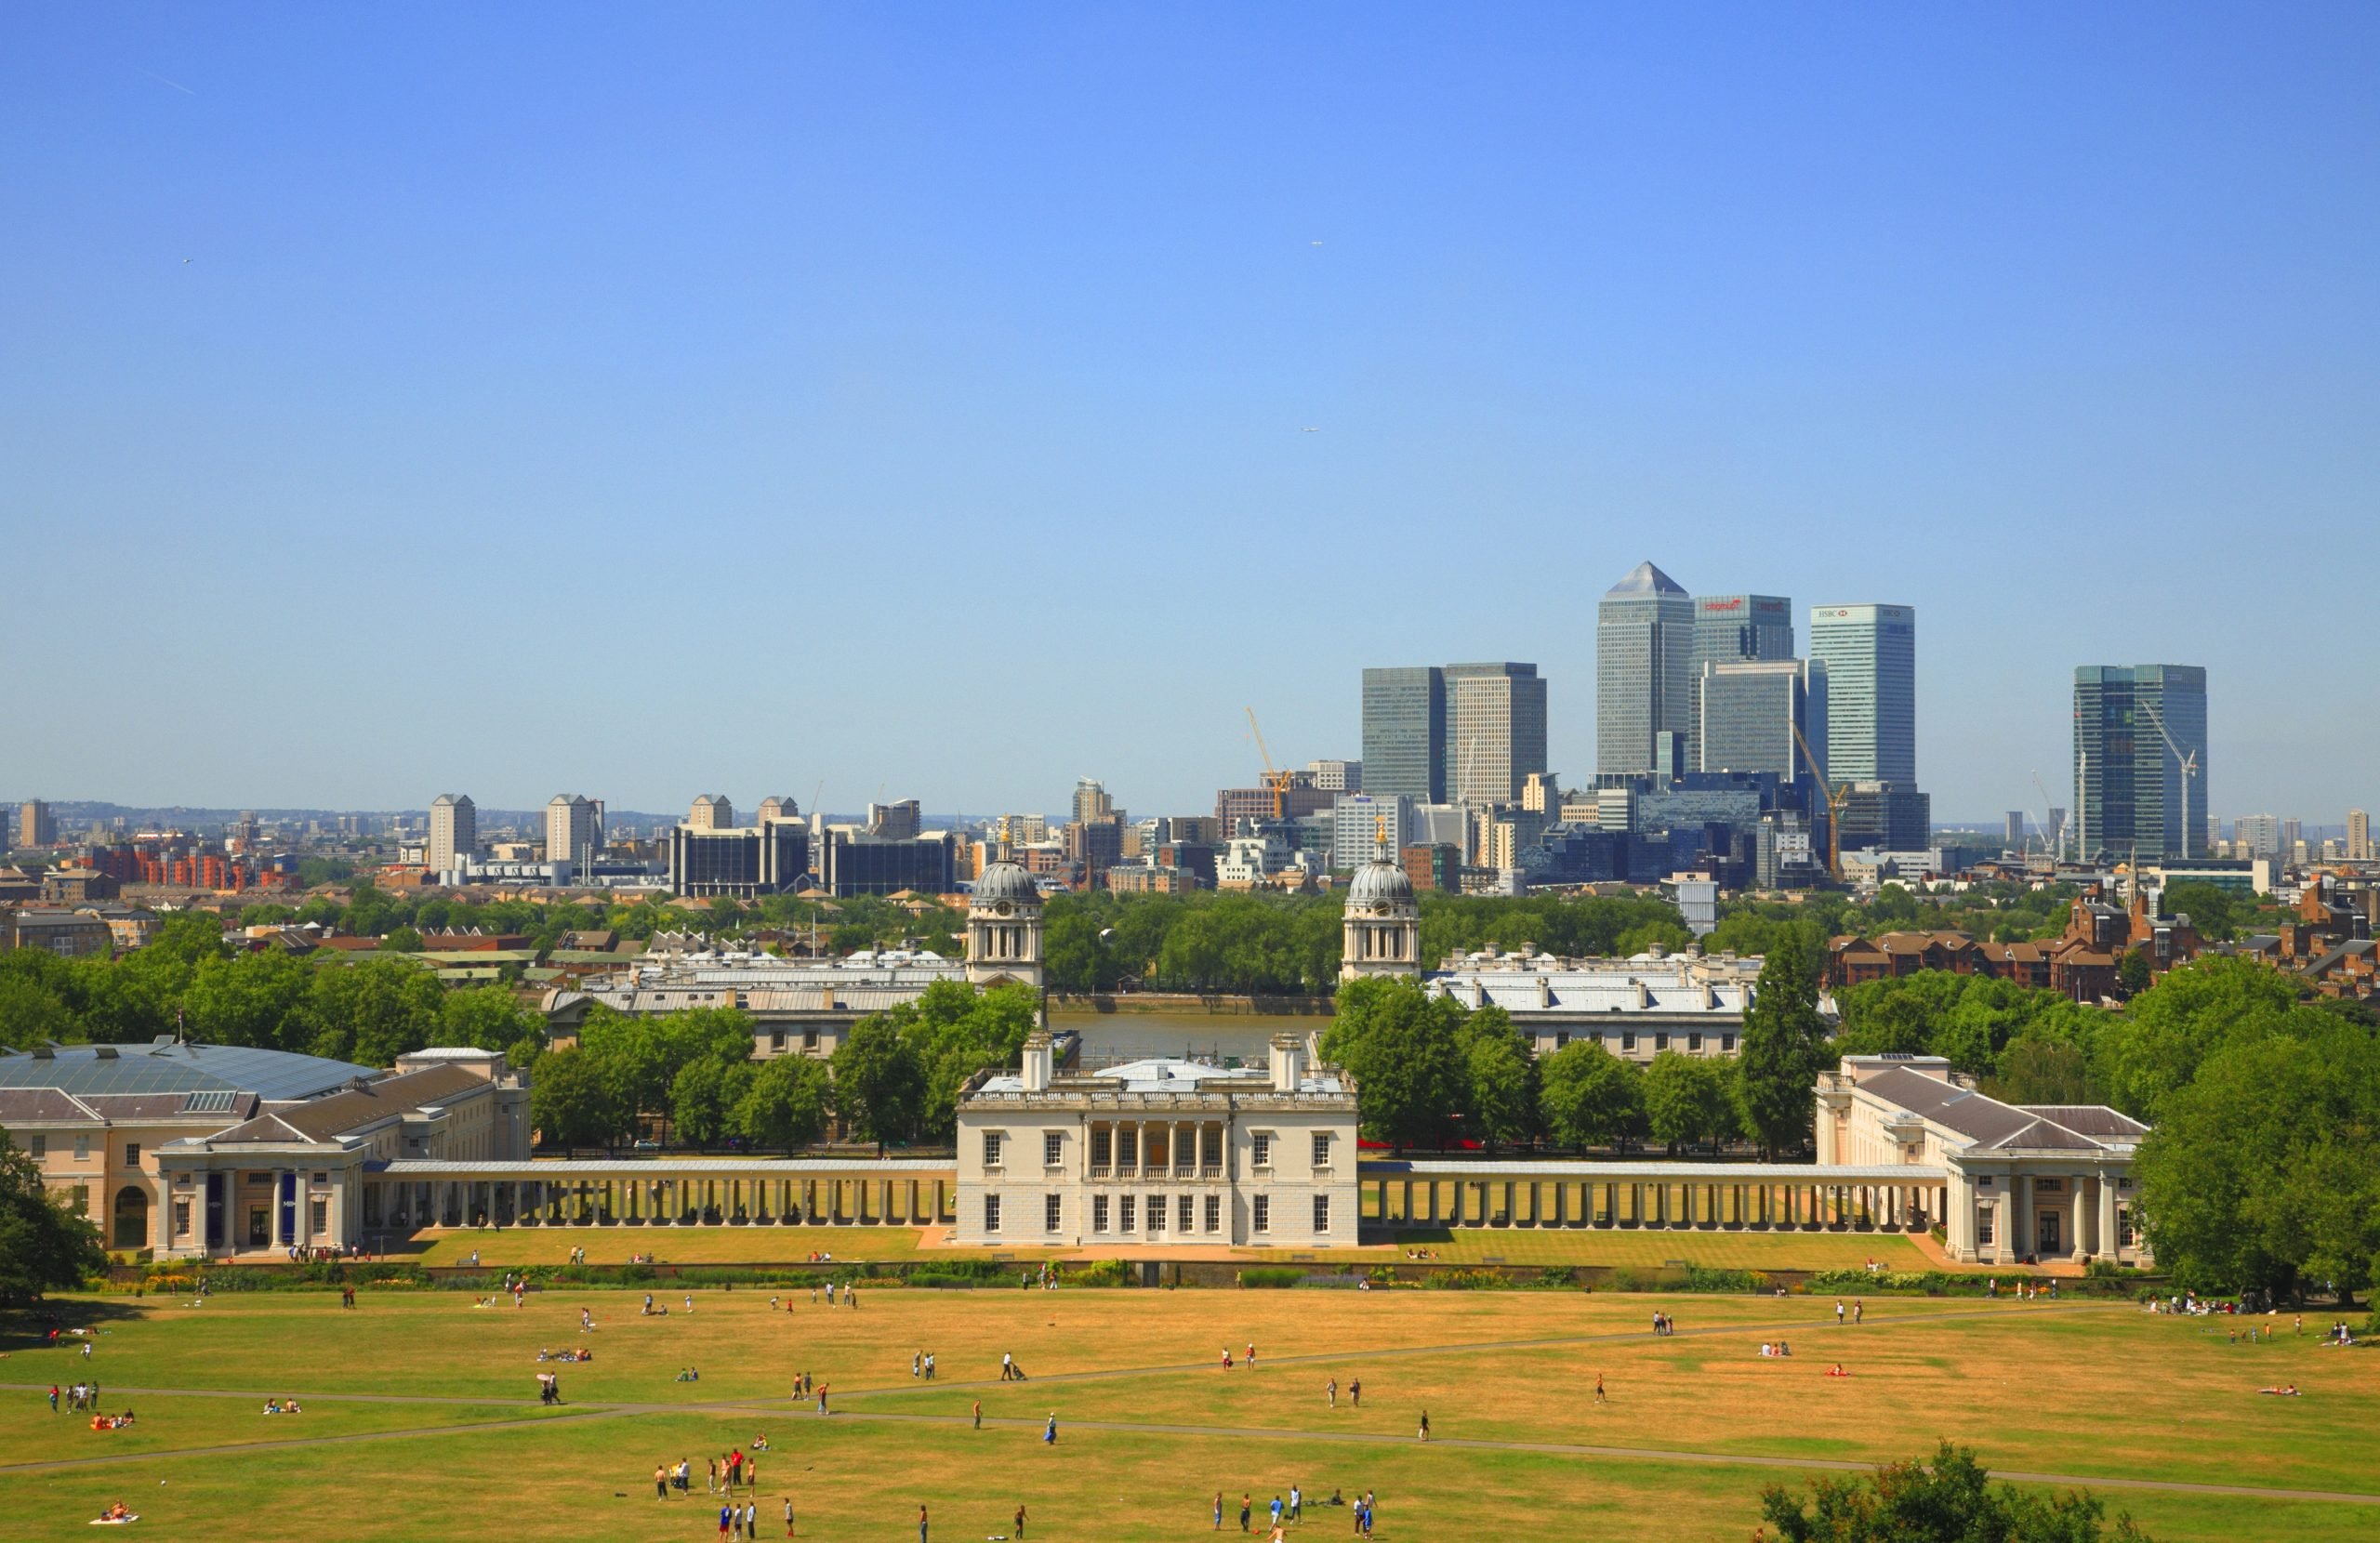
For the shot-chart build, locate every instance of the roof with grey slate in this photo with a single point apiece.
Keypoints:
(171, 1068)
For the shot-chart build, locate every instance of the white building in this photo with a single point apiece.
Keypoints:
(2024, 1182)
(574, 830)
(1637, 1007)
(1159, 1153)
(454, 832)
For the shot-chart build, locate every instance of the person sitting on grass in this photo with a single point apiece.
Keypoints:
(688, 1374)
(2290, 1392)
(116, 1512)
(1836, 1370)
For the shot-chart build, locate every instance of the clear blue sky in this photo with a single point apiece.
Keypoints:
(660, 400)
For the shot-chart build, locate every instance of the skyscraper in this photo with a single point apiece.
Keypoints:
(1405, 733)
(1495, 730)
(1870, 652)
(1751, 710)
(2359, 835)
(2140, 759)
(1091, 800)
(1732, 628)
(711, 811)
(36, 826)
(454, 831)
(574, 830)
(1644, 668)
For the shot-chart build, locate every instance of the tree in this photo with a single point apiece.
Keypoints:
(1686, 1099)
(371, 1011)
(1500, 1076)
(2154, 1047)
(2263, 1172)
(2133, 972)
(44, 1246)
(1950, 1500)
(1588, 1097)
(486, 1018)
(570, 1102)
(2037, 1069)
(1401, 1046)
(786, 1106)
(698, 1103)
(2210, 910)
(1782, 1050)
(256, 1000)
(402, 940)
(880, 1086)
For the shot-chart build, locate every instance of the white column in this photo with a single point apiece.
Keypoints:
(2107, 1245)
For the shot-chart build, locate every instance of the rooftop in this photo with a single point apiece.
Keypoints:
(164, 1066)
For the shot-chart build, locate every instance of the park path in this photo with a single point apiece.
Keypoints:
(579, 1413)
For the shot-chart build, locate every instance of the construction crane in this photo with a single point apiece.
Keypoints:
(1275, 783)
(2189, 770)
(1835, 799)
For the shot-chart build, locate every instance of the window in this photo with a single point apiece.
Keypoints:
(1102, 1142)
(1983, 1183)
(1099, 1213)
(2048, 1186)
(776, 1042)
(810, 1039)
(1214, 1212)
(1694, 1043)
(1322, 1150)
(132, 1155)
(82, 1200)
(1983, 1215)
(1156, 1214)
(2124, 1226)
(1124, 1214)
(82, 1148)
(1661, 1042)
(1054, 1149)
(1264, 1216)
(1627, 1039)
(39, 1146)
(1261, 1151)
(991, 1213)
(1187, 1212)
(321, 1220)
(322, 1178)
(1053, 1212)
(181, 1219)
(991, 1149)
(1321, 1214)
(1561, 1038)
(1727, 1042)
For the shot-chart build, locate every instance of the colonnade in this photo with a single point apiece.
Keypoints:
(407, 1195)
(1157, 1149)
(1763, 1197)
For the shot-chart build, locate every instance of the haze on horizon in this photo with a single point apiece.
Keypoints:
(654, 402)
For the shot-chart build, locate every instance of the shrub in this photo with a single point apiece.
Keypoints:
(1556, 1277)
(1271, 1278)
(1698, 1279)
(1100, 1273)
(1465, 1280)
(1383, 1274)
(937, 1280)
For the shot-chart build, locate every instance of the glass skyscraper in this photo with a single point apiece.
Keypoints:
(1405, 733)
(1495, 730)
(1870, 652)
(2129, 784)
(1644, 669)
(1731, 627)
(1750, 710)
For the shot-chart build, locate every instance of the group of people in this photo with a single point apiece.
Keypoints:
(582, 1353)
(1663, 1325)
(921, 1365)
(1354, 1393)
(1284, 1512)
(1251, 1356)
(1859, 1310)
(81, 1396)
(2026, 1291)
(282, 1407)
(1770, 1352)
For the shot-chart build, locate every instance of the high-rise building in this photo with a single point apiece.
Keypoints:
(777, 808)
(899, 820)
(1752, 710)
(1405, 733)
(1731, 628)
(1367, 826)
(2013, 836)
(2292, 834)
(2140, 759)
(2359, 835)
(2257, 835)
(1092, 801)
(1495, 730)
(1870, 652)
(574, 830)
(36, 826)
(1644, 668)
(711, 811)
(1887, 817)
(1337, 776)
(454, 832)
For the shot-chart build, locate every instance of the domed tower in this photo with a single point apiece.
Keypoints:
(1382, 934)
(1004, 927)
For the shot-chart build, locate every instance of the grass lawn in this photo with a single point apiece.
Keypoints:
(1150, 1426)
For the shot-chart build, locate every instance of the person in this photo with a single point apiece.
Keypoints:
(1018, 1524)
(1226, 1358)
(1599, 1388)
(1836, 1370)
(710, 1479)
(726, 1522)
(1219, 1511)
(660, 1480)
(822, 1400)
(1008, 1366)
(1252, 1354)
(922, 1525)
(1859, 1308)
(1277, 1509)
(1049, 1431)
(751, 1519)
(53, 1398)
(1425, 1425)
(918, 1364)
(2290, 1392)
(1838, 1312)
(1245, 1508)
(1330, 1392)
(789, 1516)
(929, 1366)
(979, 1414)
(1297, 1503)
(1355, 1393)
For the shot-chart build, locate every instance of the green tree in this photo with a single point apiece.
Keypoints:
(2154, 1047)
(572, 1103)
(2264, 1173)
(1500, 1078)
(487, 1018)
(402, 940)
(256, 999)
(2133, 974)
(1950, 1499)
(44, 1246)
(1782, 1050)
(704, 1096)
(880, 1086)
(2210, 910)
(785, 1104)
(371, 1011)
(1588, 1097)
(2038, 1069)
(1401, 1046)
(1686, 1099)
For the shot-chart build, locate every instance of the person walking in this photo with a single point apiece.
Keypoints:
(1599, 1398)
(1008, 1366)
(979, 1414)
(53, 1394)
(1019, 1523)
(1219, 1511)
(1355, 1393)
(1049, 1431)
(1330, 1392)
(1277, 1509)
(789, 1516)
(1425, 1425)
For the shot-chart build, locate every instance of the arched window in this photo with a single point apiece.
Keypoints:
(131, 1229)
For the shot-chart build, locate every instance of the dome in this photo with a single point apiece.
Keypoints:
(1006, 881)
(1380, 882)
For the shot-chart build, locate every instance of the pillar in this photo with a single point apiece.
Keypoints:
(2109, 1244)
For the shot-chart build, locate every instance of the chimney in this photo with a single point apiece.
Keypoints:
(1038, 1061)
(1288, 1063)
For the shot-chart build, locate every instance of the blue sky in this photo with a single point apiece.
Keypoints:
(652, 401)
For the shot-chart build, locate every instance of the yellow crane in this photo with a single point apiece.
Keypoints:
(1275, 783)
(1835, 800)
